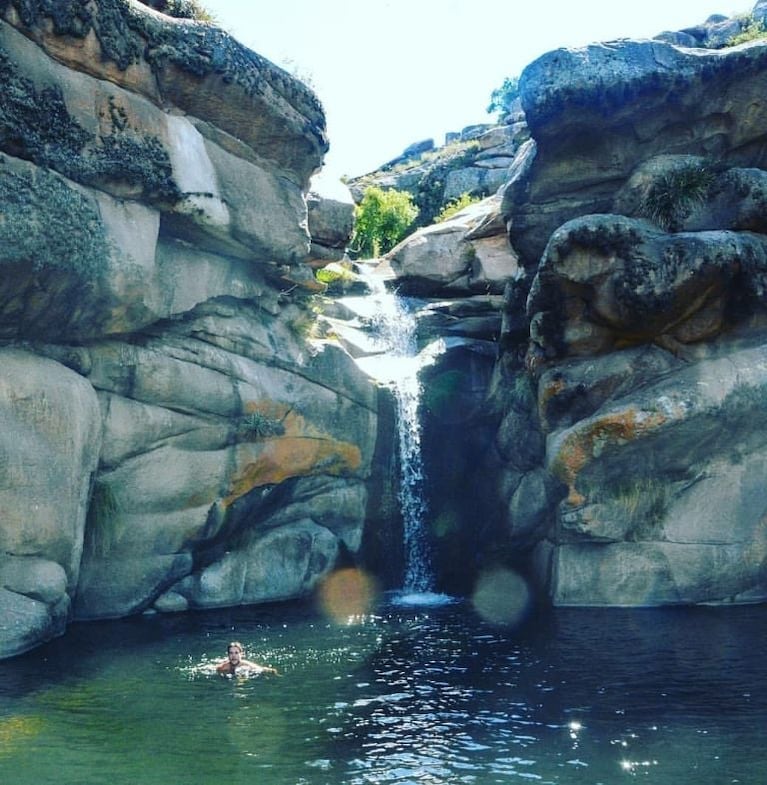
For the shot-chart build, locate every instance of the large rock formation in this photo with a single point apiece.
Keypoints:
(616, 457)
(172, 437)
(175, 436)
(640, 100)
(636, 210)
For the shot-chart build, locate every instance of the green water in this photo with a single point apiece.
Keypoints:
(405, 695)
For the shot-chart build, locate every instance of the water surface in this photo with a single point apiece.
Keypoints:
(408, 694)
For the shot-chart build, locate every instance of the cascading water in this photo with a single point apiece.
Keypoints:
(393, 325)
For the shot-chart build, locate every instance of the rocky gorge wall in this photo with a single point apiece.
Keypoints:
(173, 433)
(612, 444)
(170, 437)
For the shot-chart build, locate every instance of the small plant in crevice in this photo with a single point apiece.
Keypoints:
(454, 206)
(257, 425)
(753, 30)
(676, 193)
(642, 504)
(335, 274)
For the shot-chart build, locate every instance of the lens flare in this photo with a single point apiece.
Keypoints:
(501, 596)
(346, 595)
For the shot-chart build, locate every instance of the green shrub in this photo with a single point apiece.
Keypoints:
(257, 425)
(383, 218)
(503, 97)
(752, 31)
(675, 193)
(455, 206)
(335, 273)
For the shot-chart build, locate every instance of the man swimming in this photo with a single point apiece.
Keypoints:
(234, 664)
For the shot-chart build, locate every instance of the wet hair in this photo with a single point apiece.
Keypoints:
(235, 643)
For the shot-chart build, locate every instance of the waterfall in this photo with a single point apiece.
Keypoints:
(394, 326)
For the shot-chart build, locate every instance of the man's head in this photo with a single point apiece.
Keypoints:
(234, 652)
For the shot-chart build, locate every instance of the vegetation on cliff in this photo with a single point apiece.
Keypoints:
(383, 219)
(673, 195)
(502, 98)
(753, 30)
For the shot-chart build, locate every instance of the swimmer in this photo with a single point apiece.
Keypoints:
(234, 664)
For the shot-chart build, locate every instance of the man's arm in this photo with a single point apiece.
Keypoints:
(260, 668)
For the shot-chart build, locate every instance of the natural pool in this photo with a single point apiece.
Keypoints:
(404, 695)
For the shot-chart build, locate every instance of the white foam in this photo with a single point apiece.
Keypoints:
(423, 598)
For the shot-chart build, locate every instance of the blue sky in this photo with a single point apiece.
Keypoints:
(393, 72)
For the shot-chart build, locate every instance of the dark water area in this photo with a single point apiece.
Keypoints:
(402, 695)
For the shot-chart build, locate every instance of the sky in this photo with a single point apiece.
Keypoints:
(393, 72)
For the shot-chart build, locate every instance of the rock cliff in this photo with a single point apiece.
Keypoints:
(635, 212)
(171, 436)
(473, 162)
(176, 435)
(618, 452)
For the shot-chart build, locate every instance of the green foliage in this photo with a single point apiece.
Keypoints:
(642, 503)
(257, 425)
(382, 220)
(455, 206)
(334, 274)
(753, 30)
(504, 96)
(675, 193)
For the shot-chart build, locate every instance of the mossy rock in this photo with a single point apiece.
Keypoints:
(47, 224)
(36, 125)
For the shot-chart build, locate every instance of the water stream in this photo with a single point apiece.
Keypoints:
(396, 364)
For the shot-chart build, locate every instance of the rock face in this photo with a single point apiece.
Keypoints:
(475, 161)
(331, 223)
(632, 464)
(174, 436)
(171, 437)
(641, 100)
(468, 254)
(613, 446)
(50, 441)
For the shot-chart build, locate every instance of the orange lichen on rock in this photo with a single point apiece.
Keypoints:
(275, 460)
(546, 393)
(550, 390)
(588, 440)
